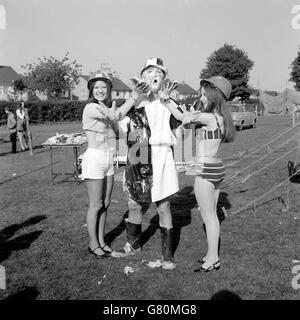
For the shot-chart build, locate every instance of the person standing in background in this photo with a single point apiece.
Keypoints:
(22, 114)
(12, 128)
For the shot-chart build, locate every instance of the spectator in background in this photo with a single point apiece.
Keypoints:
(22, 115)
(12, 128)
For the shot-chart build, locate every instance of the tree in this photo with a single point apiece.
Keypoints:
(52, 77)
(295, 72)
(233, 64)
(19, 87)
(16, 89)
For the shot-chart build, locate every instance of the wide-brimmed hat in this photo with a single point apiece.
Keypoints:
(100, 76)
(155, 62)
(220, 83)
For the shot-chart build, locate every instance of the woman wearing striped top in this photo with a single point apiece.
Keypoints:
(213, 126)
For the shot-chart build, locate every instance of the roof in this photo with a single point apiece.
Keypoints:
(185, 89)
(7, 75)
(118, 85)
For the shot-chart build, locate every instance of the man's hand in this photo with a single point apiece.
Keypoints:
(140, 87)
(165, 91)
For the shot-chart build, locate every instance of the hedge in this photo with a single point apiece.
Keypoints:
(50, 111)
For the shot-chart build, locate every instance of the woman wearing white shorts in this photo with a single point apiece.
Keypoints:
(99, 118)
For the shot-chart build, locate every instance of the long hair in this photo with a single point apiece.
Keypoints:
(217, 103)
(107, 101)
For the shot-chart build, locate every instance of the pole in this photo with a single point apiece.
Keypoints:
(294, 115)
(28, 132)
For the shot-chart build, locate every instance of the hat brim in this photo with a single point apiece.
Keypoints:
(163, 69)
(90, 82)
(212, 84)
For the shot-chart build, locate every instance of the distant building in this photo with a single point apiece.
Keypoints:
(254, 93)
(183, 92)
(119, 91)
(7, 76)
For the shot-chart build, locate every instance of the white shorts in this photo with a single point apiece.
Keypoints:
(97, 163)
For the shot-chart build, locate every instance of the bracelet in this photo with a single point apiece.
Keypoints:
(167, 100)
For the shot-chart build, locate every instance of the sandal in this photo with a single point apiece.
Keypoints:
(214, 266)
(112, 253)
(201, 260)
(110, 250)
(101, 256)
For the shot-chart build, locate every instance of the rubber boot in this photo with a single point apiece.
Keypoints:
(134, 232)
(166, 247)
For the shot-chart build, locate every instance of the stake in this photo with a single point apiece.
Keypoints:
(28, 133)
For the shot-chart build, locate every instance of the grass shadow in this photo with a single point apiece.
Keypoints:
(7, 153)
(21, 242)
(27, 294)
(181, 206)
(223, 202)
(225, 295)
(114, 233)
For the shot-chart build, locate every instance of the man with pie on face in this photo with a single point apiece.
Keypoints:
(150, 173)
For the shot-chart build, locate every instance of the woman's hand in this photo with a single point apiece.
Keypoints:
(166, 89)
(190, 117)
(108, 113)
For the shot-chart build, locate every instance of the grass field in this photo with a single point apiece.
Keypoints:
(43, 238)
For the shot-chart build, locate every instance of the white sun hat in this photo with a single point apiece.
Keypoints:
(155, 62)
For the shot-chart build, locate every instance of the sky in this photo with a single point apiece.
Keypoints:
(124, 33)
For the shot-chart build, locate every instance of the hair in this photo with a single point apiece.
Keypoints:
(11, 110)
(107, 101)
(20, 104)
(217, 103)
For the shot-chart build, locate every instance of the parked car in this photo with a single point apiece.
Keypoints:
(243, 118)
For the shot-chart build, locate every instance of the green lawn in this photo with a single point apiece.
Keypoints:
(43, 238)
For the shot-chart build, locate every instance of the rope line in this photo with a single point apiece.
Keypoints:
(265, 144)
(262, 196)
(263, 157)
(244, 179)
(4, 138)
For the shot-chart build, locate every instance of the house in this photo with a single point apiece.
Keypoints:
(254, 93)
(119, 91)
(7, 76)
(183, 92)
